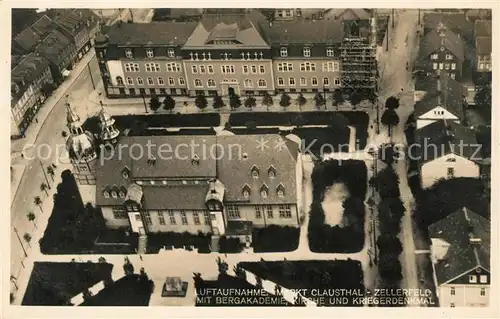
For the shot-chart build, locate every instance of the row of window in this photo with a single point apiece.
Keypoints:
(284, 211)
(306, 52)
(309, 67)
(115, 193)
(448, 56)
(444, 66)
(150, 81)
(153, 67)
(149, 53)
(303, 81)
(264, 191)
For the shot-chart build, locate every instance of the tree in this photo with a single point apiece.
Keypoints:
(31, 217)
(154, 103)
(44, 187)
(355, 98)
(250, 102)
(64, 134)
(201, 102)
(47, 89)
(389, 244)
(390, 118)
(168, 103)
(222, 266)
(387, 183)
(319, 99)
(285, 100)
(27, 238)
(389, 268)
(483, 96)
(387, 153)
(392, 103)
(301, 100)
(218, 102)
(234, 101)
(50, 171)
(38, 202)
(267, 100)
(338, 98)
(128, 268)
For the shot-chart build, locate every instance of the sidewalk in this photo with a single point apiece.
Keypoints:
(45, 111)
(136, 105)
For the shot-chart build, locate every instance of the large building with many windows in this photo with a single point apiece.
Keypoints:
(222, 53)
(223, 185)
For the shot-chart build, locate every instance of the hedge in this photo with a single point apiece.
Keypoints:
(275, 238)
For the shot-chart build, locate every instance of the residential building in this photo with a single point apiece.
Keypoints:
(483, 34)
(461, 259)
(456, 22)
(438, 97)
(441, 51)
(177, 14)
(60, 51)
(74, 27)
(445, 149)
(27, 41)
(481, 14)
(306, 55)
(223, 185)
(316, 14)
(28, 78)
(144, 58)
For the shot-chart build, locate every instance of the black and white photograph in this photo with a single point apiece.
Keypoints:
(251, 157)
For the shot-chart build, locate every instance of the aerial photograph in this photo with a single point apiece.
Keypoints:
(246, 157)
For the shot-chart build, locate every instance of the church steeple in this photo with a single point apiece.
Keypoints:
(108, 133)
(74, 124)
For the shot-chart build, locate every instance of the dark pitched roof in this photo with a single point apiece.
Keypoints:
(235, 171)
(350, 14)
(483, 28)
(462, 255)
(438, 38)
(299, 32)
(448, 94)
(70, 22)
(483, 45)
(44, 25)
(29, 68)
(55, 46)
(454, 21)
(173, 33)
(241, 29)
(473, 14)
(109, 175)
(175, 197)
(177, 13)
(442, 138)
(28, 39)
(429, 83)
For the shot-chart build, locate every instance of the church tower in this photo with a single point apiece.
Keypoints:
(108, 133)
(81, 148)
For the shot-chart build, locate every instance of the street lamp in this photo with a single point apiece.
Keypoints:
(144, 101)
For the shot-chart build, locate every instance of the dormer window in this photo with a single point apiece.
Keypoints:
(211, 206)
(149, 53)
(106, 194)
(320, 15)
(246, 191)
(255, 172)
(264, 191)
(114, 194)
(128, 53)
(306, 52)
(284, 52)
(195, 160)
(121, 194)
(330, 52)
(280, 190)
(151, 160)
(271, 172)
(125, 172)
(152, 182)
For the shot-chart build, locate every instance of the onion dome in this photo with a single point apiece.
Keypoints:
(108, 132)
(81, 143)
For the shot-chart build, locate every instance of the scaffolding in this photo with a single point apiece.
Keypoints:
(359, 63)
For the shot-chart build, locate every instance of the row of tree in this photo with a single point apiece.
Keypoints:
(391, 211)
(235, 101)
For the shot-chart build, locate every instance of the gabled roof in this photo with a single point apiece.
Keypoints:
(304, 32)
(28, 39)
(483, 45)
(442, 138)
(454, 21)
(240, 29)
(462, 255)
(175, 197)
(55, 46)
(43, 26)
(159, 33)
(28, 69)
(438, 38)
(483, 28)
(429, 83)
(236, 171)
(70, 22)
(350, 14)
(448, 94)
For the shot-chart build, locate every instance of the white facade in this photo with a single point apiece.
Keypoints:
(115, 70)
(448, 166)
(436, 114)
(463, 295)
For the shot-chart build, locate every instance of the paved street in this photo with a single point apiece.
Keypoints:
(48, 133)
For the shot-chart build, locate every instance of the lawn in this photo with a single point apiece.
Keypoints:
(310, 274)
(54, 284)
(128, 291)
(275, 239)
(348, 235)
